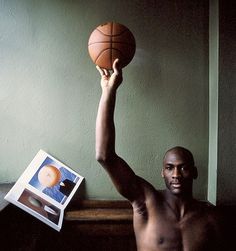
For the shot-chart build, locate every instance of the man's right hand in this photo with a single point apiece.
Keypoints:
(111, 79)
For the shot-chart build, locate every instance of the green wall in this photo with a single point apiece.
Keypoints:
(50, 88)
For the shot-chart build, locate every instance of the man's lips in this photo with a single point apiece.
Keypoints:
(176, 184)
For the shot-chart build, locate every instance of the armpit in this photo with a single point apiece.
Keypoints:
(140, 208)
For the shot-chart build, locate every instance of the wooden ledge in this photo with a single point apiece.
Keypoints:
(101, 210)
(101, 218)
(104, 214)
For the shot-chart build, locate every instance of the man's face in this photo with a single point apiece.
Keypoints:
(178, 173)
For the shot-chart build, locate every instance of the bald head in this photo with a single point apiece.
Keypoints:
(181, 152)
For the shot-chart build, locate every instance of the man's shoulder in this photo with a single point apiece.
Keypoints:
(207, 210)
(205, 204)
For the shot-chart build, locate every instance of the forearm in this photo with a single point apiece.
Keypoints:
(105, 128)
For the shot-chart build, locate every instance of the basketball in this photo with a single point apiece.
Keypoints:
(110, 41)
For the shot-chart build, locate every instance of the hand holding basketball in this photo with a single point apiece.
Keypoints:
(110, 41)
(111, 79)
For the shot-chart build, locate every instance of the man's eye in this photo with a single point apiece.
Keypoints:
(184, 168)
(169, 167)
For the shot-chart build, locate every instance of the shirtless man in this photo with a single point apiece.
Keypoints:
(168, 220)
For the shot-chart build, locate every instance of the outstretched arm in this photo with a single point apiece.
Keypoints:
(105, 129)
(125, 180)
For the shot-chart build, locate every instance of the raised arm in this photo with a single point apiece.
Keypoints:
(124, 179)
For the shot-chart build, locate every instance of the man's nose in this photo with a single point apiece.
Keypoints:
(176, 173)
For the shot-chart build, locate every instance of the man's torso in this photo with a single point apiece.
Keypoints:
(158, 227)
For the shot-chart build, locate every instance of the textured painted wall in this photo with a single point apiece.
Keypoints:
(50, 88)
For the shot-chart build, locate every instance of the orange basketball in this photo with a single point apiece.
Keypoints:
(110, 41)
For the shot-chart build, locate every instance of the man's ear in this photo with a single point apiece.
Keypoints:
(162, 174)
(195, 172)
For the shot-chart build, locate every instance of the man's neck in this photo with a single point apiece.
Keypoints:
(178, 204)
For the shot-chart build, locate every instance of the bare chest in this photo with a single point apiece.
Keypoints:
(163, 231)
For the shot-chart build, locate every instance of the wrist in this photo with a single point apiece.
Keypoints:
(108, 91)
(108, 96)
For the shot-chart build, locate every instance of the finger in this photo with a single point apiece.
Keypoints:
(100, 70)
(115, 66)
(106, 72)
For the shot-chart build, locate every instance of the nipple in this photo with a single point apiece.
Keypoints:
(161, 240)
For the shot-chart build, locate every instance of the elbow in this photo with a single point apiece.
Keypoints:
(100, 158)
(104, 158)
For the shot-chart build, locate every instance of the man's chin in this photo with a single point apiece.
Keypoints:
(179, 192)
(176, 191)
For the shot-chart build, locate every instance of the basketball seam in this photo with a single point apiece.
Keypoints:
(112, 36)
(121, 33)
(111, 45)
(111, 50)
(114, 42)
(108, 41)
